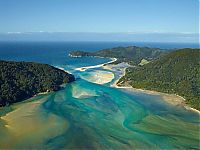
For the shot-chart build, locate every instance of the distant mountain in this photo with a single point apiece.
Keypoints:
(131, 54)
(22, 80)
(177, 72)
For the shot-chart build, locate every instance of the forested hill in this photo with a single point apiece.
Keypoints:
(177, 72)
(22, 80)
(131, 54)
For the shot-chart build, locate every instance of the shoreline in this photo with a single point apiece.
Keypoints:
(172, 99)
(63, 69)
(115, 83)
(96, 66)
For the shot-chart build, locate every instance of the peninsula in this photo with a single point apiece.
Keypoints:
(131, 54)
(174, 71)
(22, 80)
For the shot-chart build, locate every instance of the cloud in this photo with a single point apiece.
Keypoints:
(14, 32)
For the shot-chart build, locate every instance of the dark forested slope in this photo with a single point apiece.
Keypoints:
(21, 80)
(177, 72)
(132, 54)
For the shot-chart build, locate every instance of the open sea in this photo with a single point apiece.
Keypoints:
(87, 115)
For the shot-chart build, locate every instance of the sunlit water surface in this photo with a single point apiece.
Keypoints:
(87, 115)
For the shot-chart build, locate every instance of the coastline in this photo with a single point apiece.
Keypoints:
(172, 99)
(63, 69)
(96, 66)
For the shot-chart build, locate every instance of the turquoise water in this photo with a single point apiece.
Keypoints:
(85, 115)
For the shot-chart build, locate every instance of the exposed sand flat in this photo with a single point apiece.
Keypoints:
(99, 77)
(96, 66)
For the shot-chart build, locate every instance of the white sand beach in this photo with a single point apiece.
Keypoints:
(96, 66)
(63, 69)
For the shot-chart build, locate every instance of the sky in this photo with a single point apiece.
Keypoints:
(94, 18)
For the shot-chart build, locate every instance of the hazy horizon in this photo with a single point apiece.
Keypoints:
(107, 37)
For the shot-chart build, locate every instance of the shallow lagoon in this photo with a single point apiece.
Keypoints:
(102, 118)
(85, 115)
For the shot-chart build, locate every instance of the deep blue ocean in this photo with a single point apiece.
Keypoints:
(56, 52)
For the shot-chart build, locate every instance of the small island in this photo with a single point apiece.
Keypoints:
(22, 80)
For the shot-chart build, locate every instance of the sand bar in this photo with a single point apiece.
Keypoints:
(96, 66)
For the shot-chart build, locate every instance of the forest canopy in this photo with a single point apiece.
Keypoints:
(177, 72)
(22, 80)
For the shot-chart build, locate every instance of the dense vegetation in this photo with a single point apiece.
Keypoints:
(22, 80)
(131, 54)
(80, 54)
(177, 72)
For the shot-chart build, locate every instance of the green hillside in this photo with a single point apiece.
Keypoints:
(131, 54)
(177, 72)
(22, 80)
